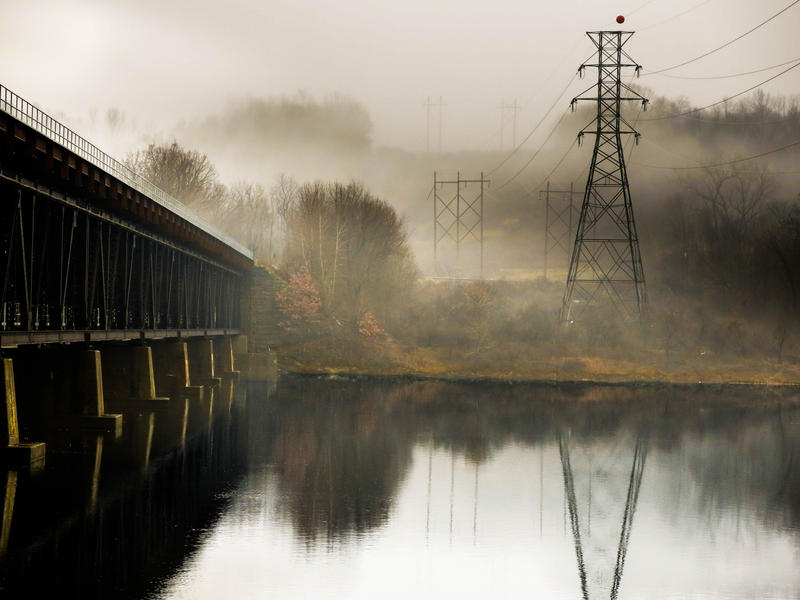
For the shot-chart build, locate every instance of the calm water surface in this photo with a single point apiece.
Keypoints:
(331, 489)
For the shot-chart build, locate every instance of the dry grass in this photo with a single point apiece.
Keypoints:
(527, 363)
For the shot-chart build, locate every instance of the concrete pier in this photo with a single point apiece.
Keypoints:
(192, 403)
(171, 371)
(89, 389)
(63, 389)
(12, 451)
(130, 379)
(202, 371)
(186, 382)
(201, 361)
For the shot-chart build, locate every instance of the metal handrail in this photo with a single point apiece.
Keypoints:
(30, 115)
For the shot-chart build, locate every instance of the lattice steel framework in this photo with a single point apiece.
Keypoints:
(458, 217)
(606, 265)
(66, 267)
(558, 222)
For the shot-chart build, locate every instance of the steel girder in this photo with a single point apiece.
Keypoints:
(66, 267)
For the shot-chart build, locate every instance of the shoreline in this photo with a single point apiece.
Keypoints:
(488, 379)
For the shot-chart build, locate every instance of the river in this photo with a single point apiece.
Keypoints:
(321, 488)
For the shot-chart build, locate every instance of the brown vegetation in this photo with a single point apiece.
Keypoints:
(721, 248)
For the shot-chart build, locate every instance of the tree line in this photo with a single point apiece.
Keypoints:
(344, 251)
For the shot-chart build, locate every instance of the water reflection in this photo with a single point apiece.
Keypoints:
(441, 490)
(339, 489)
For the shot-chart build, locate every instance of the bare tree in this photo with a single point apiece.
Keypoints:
(185, 174)
(282, 197)
(354, 245)
(248, 216)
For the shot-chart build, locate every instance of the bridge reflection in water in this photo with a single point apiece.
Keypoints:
(341, 490)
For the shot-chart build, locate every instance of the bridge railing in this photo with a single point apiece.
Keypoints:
(22, 110)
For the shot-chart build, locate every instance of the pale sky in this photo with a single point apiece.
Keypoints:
(163, 61)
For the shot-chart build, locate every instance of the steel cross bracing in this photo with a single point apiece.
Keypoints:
(634, 485)
(25, 112)
(65, 267)
(457, 216)
(606, 265)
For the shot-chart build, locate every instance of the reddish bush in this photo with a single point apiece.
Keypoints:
(299, 302)
(368, 326)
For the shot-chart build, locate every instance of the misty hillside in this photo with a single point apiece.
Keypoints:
(309, 140)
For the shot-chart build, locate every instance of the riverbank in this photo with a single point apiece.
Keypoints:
(531, 365)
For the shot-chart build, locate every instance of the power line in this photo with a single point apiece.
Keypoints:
(525, 104)
(725, 121)
(729, 98)
(628, 151)
(726, 44)
(550, 174)
(535, 154)
(699, 163)
(783, 64)
(527, 137)
(673, 17)
(640, 7)
(723, 164)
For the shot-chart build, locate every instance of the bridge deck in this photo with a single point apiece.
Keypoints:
(28, 114)
(93, 252)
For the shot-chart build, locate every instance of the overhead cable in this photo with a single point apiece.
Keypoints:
(535, 154)
(527, 137)
(673, 17)
(726, 44)
(640, 7)
(542, 85)
(729, 98)
(783, 64)
(723, 164)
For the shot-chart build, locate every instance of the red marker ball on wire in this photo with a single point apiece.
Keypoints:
(620, 19)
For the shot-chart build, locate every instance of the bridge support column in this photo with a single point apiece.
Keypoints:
(12, 451)
(65, 387)
(171, 369)
(171, 364)
(130, 381)
(90, 389)
(202, 372)
(223, 352)
(201, 362)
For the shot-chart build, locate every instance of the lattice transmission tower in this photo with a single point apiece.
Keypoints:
(558, 223)
(457, 219)
(606, 265)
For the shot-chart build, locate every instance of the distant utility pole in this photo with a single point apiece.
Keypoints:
(428, 106)
(514, 108)
(558, 221)
(457, 215)
(606, 263)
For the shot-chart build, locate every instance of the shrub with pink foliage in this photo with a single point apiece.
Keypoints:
(368, 327)
(299, 302)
